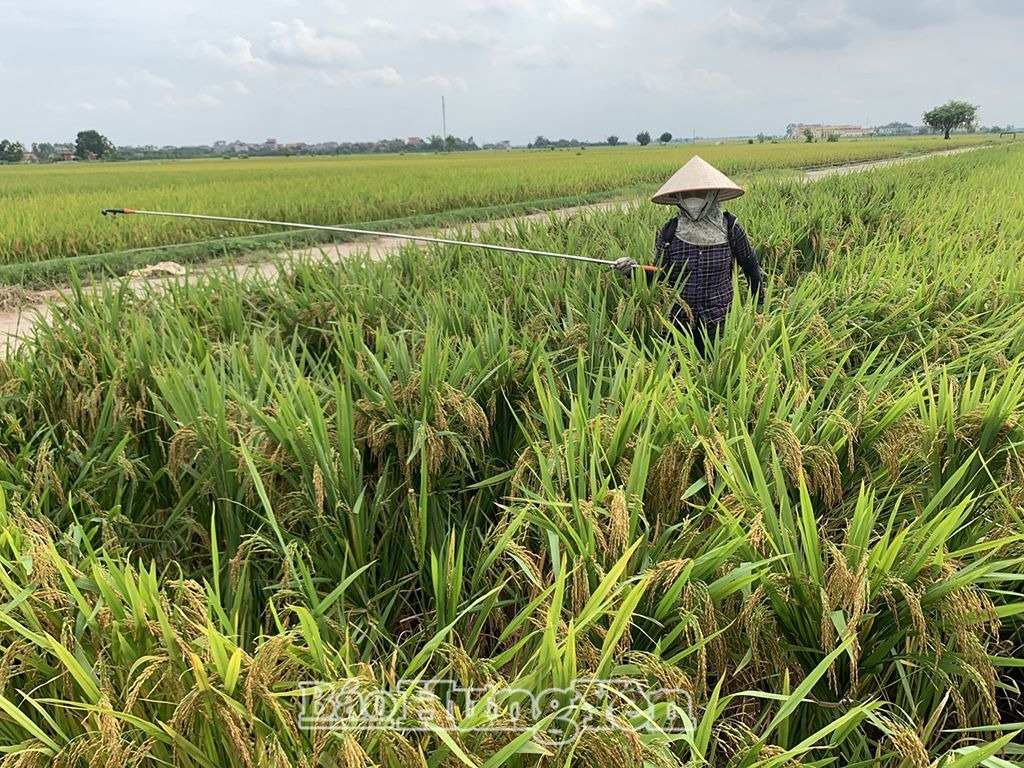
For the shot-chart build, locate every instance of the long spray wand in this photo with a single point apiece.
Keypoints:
(350, 230)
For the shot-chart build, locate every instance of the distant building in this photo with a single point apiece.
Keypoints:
(414, 141)
(824, 130)
(270, 144)
(28, 156)
(66, 155)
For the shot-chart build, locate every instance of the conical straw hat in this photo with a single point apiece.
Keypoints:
(697, 175)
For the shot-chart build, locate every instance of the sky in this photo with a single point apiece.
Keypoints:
(194, 71)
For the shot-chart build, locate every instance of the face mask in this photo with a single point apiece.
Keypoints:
(694, 205)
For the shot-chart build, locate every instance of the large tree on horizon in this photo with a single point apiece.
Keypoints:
(952, 114)
(93, 143)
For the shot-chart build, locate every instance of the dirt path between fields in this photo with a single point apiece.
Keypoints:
(21, 310)
(813, 174)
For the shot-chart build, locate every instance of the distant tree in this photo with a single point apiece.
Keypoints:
(541, 142)
(43, 151)
(93, 143)
(643, 138)
(613, 140)
(435, 143)
(665, 138)
(450, 142)
(833, 137)
(952, 114)
(11, 152)
(808, 135)
(760, 138)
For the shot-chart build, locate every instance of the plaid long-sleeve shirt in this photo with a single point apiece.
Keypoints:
(703, 274)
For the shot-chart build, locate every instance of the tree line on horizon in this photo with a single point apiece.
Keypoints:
(88, 145)
(92, 145)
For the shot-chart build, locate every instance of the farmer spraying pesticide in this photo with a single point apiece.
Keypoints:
(696, 249)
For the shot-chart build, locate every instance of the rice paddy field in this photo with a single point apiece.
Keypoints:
(510, 475)
(51, 212)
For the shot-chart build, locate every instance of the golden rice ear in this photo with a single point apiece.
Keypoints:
(908, 745)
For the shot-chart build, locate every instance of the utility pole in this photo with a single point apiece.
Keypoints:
(444, 125)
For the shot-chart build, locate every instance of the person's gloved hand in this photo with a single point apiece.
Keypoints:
(625, 265)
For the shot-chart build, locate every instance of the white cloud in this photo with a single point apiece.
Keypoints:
(580, 10)
(108, 105)
(296, 42)
(444, 84)
(693, 83)
(652, 82)
(381, 27)
(150, 80)
(780, 26)
(706, 83)
(494, 8)
(235, 53)
(367, 78)
(440, 33)
(380, 76)
(763, 32)
(536, 57)
(207, 100)
(474, 35)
